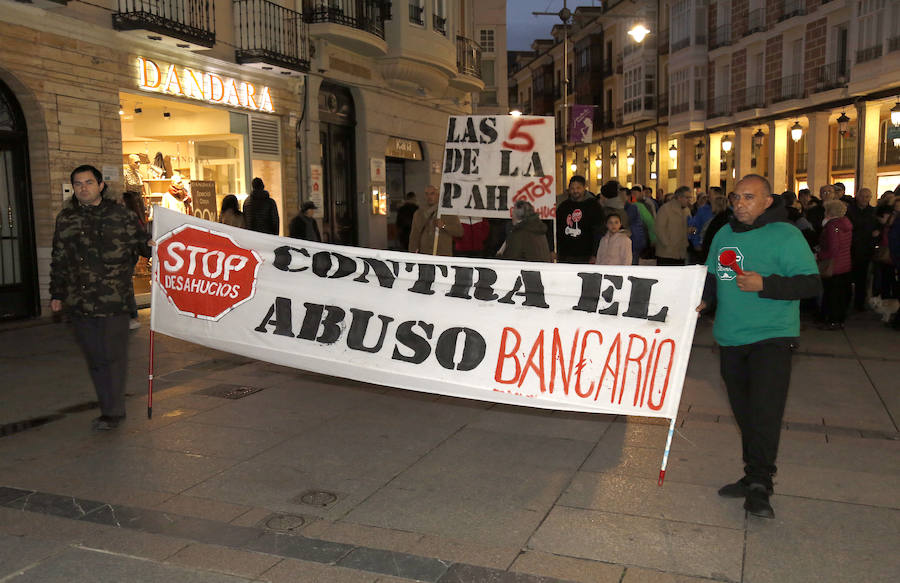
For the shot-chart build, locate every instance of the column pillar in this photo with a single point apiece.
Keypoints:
(662, 161)
(778, 137)
(867, 146)
(743, 153)
(715, 161)
(686, 163)
(640, 172)
(621, 155)
(817, 174)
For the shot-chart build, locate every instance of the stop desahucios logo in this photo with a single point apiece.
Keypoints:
(205, 274)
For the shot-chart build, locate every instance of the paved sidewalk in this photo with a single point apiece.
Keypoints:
(312, 478)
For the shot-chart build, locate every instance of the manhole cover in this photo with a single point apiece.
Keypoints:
(285, 522)
(230, 391)
(319, 498)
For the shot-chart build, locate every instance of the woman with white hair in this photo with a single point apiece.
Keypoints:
(834, 264)
(527, 241)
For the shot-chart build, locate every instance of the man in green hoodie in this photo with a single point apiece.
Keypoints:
(757, 320)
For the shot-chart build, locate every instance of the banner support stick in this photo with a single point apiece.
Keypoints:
(150, 380)
(555, 254)
(662, 470)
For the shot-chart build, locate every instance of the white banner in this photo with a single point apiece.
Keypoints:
(491, 161)
(589, 338)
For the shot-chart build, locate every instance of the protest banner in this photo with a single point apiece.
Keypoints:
(605, 339)
(491, 161)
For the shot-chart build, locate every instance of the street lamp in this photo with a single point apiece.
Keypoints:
(573, 166)
(673, 152)
(598, 162)
(639, 32)
(758, 138)
(701, 146)
(895, 115)
(629, 159)
(843, 122)
(796, 131)
(515, 113)
(727, 144)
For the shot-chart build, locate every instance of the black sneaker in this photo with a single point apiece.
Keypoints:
(757, 502)
(738, 489)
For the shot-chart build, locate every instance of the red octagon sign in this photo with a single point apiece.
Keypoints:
(205, 274)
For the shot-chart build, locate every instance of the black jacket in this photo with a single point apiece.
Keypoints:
(303, 227)
(261, 213)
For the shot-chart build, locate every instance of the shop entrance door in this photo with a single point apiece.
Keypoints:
(18, 268)
(338, 162)
(337, 127)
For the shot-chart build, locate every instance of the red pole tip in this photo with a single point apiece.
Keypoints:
(728, 258)
(662, 476)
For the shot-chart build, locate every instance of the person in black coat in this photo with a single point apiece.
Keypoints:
(260, 211)
(304, 226)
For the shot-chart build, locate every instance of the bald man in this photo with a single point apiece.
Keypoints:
(757, 320)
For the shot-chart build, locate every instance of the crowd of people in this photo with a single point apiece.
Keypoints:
(856, 242)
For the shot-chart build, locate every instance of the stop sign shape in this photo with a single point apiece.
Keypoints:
(205, 274)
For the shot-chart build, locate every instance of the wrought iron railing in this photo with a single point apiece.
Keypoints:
(790, 8)
(365, 15)
(680, 107)
(417, 14)
(193, 21)
(439, 23)
(681, 43)
(844, 158)
(790, 87)
(868, 54)
(750, 97)
(756, 21)
(720, 106)
(468, 57)
(270, 33)
(832, 76)
(721, 37)
(894, 44)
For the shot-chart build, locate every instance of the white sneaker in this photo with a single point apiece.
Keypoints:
(134, 324)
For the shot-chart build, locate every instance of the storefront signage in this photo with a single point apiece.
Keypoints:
(204, 194)
(181, 81)
(403, 148)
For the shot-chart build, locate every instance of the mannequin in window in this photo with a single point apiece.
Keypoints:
(157, 170)
(179, 192)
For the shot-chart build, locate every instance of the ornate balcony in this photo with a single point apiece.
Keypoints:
(750, 98)
(354, 24)
(185, 24)
(756, 21)
(832, 76)
(439, 23)
(721, 37)
(270, 37)
(468, 65)
(790, 87)
(720, 106)
(416, 14)
(869, 54)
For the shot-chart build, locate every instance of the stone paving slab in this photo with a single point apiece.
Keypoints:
(82, 564)
(17, 553)
(818, 541)
(676, 547)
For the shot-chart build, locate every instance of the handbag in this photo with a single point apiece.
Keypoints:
(826, 267)
(883, 255)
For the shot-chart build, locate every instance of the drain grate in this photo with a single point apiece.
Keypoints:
(17, 426)
(318, 498)
(286, 523)
(230, 391)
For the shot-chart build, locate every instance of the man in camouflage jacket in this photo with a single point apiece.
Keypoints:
(95, 247)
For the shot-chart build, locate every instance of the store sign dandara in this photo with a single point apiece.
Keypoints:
(184, 82)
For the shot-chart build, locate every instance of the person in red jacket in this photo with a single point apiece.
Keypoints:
(834, 247)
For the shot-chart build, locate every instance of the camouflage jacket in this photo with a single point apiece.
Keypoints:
(94, 252)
